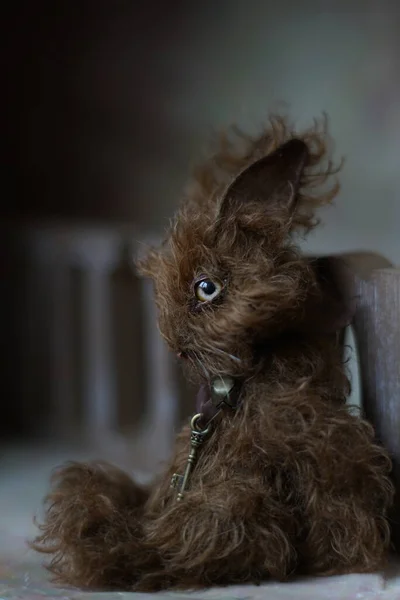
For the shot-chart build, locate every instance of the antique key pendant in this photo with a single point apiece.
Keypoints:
(197, 437)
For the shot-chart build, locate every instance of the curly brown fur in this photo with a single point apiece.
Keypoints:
(293, 482)
(93, 525)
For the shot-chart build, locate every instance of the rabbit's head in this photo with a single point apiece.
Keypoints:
(229, 279)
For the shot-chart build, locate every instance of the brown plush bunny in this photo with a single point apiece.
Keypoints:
(282, 477)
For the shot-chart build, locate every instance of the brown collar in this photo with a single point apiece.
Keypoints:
(223, 392)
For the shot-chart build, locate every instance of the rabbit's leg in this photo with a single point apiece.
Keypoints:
(92, 527)
(346, 497)
(221, 533)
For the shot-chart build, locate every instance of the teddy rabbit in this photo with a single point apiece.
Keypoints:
(283, 479)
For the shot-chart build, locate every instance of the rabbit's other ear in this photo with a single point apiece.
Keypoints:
(333, 304)
(271, 182)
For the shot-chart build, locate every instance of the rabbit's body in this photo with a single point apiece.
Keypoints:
(290, 481)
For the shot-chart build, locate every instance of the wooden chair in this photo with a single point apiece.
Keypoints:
(375, 285)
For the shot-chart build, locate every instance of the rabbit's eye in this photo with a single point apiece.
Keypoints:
(207, 289)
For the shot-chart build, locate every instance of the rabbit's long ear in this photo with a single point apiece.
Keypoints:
(272, 182)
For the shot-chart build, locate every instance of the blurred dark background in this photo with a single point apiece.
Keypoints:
(88, 86)
(87, 91)
(106, 104)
